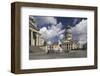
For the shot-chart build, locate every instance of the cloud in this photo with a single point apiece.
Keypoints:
(53, 34)
(42, 20)
(80, 32)
(51, 31)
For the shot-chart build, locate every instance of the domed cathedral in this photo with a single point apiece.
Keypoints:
(68, 42)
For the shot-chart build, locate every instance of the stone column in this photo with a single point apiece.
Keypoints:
(32, 39)
(37, 40)
(70, 47)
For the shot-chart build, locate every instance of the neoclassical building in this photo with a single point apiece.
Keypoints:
(68, 42)
(34, 35)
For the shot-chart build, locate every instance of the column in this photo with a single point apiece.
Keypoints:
(37, 40)
(70, 47)
(32, 38)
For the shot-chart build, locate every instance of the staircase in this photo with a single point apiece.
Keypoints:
(36, 50)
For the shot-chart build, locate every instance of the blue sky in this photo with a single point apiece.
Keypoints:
(72, 21)
(53, 28)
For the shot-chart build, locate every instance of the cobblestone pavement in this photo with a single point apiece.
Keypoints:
(53, 55)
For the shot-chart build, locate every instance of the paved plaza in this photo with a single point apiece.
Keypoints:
(57, 55)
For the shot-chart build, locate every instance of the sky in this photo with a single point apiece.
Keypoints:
(52, 29)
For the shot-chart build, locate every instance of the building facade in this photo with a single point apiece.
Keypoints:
(68, 42)
(34, 35)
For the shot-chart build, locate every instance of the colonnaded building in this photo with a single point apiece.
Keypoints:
(68, 42)
(34, 35)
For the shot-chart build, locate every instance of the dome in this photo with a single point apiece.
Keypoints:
(69, 31)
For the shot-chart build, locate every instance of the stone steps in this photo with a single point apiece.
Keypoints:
(36, 50)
